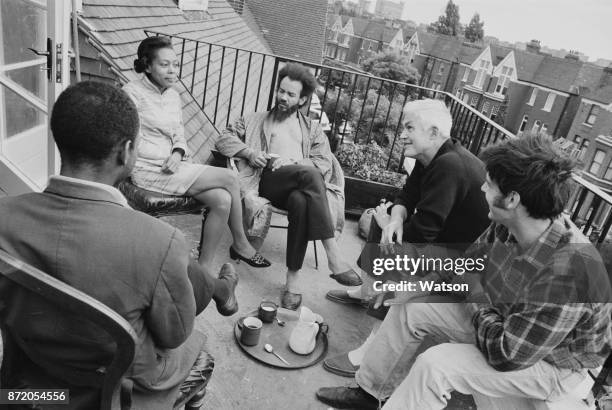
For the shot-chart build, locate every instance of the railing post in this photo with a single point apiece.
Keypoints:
(206, 79)
(219, 85)
(195, 60)
(229, 108)
(182, 56)
(263, 64)
(273, 83)
(365, 98)
(246, 84)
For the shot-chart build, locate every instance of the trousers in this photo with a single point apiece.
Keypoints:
(300, 190)
(393, 368)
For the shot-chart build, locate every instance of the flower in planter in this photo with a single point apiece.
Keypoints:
(368, 162)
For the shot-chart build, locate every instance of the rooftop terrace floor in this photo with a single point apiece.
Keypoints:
(240, 382)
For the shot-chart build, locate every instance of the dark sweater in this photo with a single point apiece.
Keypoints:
(444, 200)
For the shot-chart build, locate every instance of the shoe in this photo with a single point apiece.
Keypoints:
(348, 278)
(342, 296)
(347, 398)
(340, 365)
(256, 261)
(230, 306)
(291, 300)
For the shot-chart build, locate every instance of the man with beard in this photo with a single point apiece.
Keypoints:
(301, 178)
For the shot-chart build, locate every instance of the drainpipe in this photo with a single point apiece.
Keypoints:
(75, 41)
(563, 112)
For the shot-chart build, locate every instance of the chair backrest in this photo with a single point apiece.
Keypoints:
(77, 302)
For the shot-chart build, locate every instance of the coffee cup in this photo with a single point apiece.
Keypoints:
(267, 311)
(251, 329)
(273, 157)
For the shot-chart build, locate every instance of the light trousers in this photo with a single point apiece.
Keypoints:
(393, 368)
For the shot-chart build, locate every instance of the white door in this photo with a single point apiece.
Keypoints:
(28, 88)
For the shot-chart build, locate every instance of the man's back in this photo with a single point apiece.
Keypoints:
(131, 262)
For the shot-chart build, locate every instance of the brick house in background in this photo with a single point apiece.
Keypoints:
(591, 131)
(354, 39)
(536, 92)
(439, 58)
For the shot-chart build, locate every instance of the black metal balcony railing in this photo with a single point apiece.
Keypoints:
(227, 82)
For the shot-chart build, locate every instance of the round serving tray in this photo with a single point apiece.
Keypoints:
(278, 337)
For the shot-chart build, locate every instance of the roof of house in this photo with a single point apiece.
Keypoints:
(116, 27)
(448, 48)
(369, 29)
(292, 28)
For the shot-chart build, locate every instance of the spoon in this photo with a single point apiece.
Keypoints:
(270, 349)
(280, 322)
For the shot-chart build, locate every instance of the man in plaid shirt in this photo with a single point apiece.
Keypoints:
(534, 320)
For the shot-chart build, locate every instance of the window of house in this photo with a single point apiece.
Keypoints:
(346, 39)
(486, 107)
(536, 126)
(466, 98)
(441, 69)
(466, 74)
(608, 174)
(550, 100)
(532, 99)
(504, 80)
(544, 128)
(474, 101)
(523, 125)
(480, 76)
(494, 111)
(435, 85)
(584, 146)
(593, 113)
(597, 160)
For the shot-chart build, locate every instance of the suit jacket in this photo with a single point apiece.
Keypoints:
(131, 262)
(252, 133)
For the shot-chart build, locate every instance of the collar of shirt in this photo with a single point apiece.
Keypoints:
(115, 194)
(148, 84)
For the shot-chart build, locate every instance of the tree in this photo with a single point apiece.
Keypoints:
(391, 66)
(474, 31)
(448, 23)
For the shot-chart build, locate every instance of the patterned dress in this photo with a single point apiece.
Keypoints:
(161, 131)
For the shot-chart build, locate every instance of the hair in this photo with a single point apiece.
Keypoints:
(534, 167)
(298, 72)
(90, 119)
(147, 50)
(431, 113)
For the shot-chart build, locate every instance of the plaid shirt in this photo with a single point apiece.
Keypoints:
(547, 303)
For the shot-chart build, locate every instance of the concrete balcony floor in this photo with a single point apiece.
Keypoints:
(240, 382)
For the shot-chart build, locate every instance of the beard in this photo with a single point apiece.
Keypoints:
(280, 113)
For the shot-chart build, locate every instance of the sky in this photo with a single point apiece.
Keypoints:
(583, 25)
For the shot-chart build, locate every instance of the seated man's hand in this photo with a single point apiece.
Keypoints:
(393, 227)
(381, 214)
(281, 162)
(171, 164)
(258, 159)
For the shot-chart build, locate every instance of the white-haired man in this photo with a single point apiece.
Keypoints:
(440, 203)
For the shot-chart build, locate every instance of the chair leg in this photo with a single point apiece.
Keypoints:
(314, 244)
(205, 212)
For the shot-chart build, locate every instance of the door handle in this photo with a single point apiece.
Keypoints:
(47, 54)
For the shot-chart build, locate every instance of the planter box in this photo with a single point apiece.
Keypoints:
(361, 194)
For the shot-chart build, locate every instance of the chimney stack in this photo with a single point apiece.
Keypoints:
(534, 46)
(572, 55)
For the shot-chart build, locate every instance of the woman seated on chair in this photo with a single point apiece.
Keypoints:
(162, 152)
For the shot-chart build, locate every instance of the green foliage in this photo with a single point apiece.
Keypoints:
(391, 66)
(448, 23)
(474, 31)
(368, 162)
